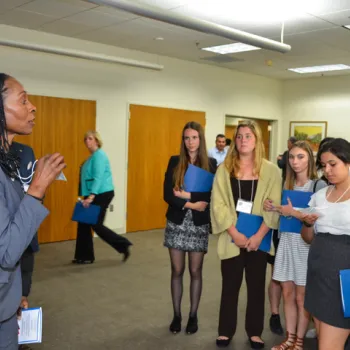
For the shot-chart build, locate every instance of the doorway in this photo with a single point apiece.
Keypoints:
(231, 123)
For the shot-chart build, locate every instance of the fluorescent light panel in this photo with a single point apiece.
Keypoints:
(315, 69)
(347, 26)
(231, 48)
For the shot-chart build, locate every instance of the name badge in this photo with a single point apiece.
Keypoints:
(244, 206)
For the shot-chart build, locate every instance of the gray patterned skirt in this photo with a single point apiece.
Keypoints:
(187, 236)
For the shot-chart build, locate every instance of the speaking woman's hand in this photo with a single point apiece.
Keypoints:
(46, 171)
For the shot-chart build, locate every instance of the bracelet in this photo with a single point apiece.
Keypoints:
(37, 198)
(307, 225)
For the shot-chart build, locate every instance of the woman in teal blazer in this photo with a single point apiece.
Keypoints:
(96, 186)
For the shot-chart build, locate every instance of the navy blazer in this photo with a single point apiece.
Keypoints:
(20, 217)
(27, 159)
(175, 212)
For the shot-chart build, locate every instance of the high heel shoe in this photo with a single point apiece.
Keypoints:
(223, 343)
(175, 325)
(192, 325)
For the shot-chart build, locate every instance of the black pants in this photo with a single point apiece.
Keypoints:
(27, 268)
(84, 249)
(254, 265)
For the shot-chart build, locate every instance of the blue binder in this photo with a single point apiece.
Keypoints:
(198, 180)
(345, 291)
(249, 224)
(86, 215)
(299, 199)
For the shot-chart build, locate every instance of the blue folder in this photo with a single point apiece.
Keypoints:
(345, 291)
(249, 224)
(86, 215)
(299, 199)
(198, 180)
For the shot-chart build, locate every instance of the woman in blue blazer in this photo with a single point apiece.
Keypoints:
(96, 185)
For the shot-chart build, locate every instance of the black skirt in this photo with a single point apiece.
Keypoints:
(328, 255)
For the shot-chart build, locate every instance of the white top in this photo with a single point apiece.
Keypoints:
(334, 217)
(218, 155)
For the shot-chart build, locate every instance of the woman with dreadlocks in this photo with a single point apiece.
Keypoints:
(20, 214)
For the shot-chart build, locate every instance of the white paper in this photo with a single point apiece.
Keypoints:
(30, 326)
(61, 177)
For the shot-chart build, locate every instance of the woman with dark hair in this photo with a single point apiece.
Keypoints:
(188, 222)
(318, 164)
(20, 214)
(327, 228)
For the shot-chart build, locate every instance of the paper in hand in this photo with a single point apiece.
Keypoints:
(30, 326)
(61, 177)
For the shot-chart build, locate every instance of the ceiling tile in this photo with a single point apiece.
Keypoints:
(322, 7)
(339, 18)
(94, 19)
(11, 4)
(65, 28)
(115, 12)
(22, 19)
(57, 8)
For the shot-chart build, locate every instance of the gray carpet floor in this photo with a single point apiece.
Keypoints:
(115, 305)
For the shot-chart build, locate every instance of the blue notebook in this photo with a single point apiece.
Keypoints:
(299, 199)
(249, 224)
(345, 291)
(198, 180)
(86, 215)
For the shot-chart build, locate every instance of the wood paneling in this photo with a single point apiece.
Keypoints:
(230, 131)
(154, 135)
(60, 127)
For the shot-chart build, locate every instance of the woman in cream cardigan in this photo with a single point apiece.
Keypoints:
(241, 184)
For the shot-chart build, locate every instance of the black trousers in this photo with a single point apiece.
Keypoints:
(27, 268)
(254, 264)
(84, 248)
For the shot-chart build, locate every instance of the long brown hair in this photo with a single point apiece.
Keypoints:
(311, 170)
(201, 159)
(232, 159)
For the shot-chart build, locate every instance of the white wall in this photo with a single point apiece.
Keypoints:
(183, 85)
(317, 99)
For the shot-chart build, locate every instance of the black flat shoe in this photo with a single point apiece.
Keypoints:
(275, 324)
(77, 261)
(223, 343)
(192, 325)
(256, 344)
(175, 326)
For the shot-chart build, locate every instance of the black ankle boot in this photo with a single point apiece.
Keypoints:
(192, 325)
(175, 326)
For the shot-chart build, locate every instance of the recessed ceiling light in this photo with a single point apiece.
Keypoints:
(159, 38)
(315, 69)
(347, 26)
(231, 48)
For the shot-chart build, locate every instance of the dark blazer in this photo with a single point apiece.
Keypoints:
(27, 158)
(175, 212)
(282, 164)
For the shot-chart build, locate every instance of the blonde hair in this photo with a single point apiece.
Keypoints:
(201, 161)
(311, 170)
(96, 135)
(232, 159)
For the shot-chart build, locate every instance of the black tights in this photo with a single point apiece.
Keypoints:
(195, 260)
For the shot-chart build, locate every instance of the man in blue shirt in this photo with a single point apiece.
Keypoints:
(219, 152)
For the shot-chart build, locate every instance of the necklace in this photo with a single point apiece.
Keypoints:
(340, 196)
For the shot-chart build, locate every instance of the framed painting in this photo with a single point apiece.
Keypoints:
(312, 132)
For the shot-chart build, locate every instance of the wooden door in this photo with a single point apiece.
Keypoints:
(230, 131)
(60, 127)
(154, 136)
(265, 133)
